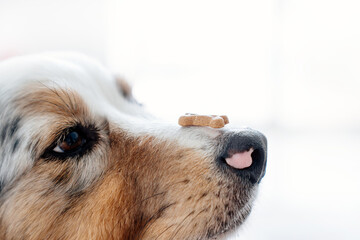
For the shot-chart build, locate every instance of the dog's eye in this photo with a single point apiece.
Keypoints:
(72, 142)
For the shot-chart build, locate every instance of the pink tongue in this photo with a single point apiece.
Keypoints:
(240, 160)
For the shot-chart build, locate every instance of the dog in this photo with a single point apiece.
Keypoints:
(81, 159)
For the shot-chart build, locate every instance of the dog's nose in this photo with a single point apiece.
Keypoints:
(245, 154)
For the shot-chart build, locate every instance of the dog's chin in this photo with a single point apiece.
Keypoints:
(224, 236)
(236, 210)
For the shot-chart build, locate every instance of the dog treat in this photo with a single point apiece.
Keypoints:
(213, 121)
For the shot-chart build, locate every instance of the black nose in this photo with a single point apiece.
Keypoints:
(244, 155)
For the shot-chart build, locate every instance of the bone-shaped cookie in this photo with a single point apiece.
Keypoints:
(213, 121)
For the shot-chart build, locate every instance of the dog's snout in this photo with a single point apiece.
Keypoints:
(244, 154)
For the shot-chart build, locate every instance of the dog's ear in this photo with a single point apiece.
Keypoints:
(125, 90)
(124, 87)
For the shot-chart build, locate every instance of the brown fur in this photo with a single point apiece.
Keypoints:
(143, 188)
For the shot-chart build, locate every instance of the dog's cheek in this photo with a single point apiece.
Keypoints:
(191, 198)
(189, 195)
(45, 203)
(31, 207)
(101, 213)
(177, 188)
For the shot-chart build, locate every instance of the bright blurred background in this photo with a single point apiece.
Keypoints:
(289, 68)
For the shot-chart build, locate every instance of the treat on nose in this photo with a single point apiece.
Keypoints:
(213, 121)
(244, 151)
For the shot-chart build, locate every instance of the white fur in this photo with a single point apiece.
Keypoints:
(98, 89)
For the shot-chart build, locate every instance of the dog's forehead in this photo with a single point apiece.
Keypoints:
(80, 74)
(97, 90)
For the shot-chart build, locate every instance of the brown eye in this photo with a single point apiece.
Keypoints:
(72, 142)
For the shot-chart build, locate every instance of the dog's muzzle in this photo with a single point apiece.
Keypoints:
(244, 155)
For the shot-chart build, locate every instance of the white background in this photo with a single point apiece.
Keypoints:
(288, 68)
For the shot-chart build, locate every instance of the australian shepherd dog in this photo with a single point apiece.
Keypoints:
(81, 159)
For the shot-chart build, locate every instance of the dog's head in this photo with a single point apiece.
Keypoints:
(80, 159)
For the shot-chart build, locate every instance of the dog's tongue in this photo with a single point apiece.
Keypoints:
(240, 160)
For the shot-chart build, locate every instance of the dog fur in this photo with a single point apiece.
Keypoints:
(138, 178)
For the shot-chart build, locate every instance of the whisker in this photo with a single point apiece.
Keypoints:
(194, 218)
(57, 93)
(181, 224)
(156, 215)
(132, 207)
(48, 102)
(164, 231)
